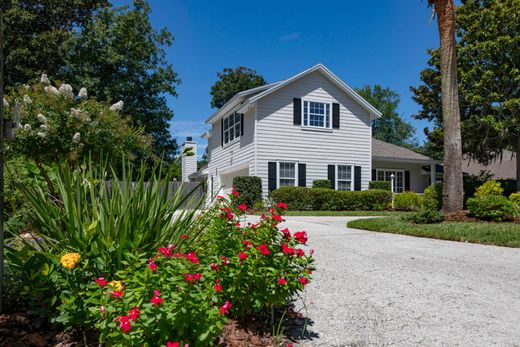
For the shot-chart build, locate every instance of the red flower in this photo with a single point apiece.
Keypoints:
(152, 266)
(300, 252)
(156, 300)
(116, 294)
(281, 205)
(304, 281)
(286, 234)
(301, 236)
(101, 281)
(192, 278)
(225, 260)
(156, 292)
(192, 257)
(124, 323)
(247, 244)
(242, 256)
(263, 249)
(173, 344)
(287, 250)
(242, 207)
(184, 236)
(178, 255)
(282, 281)
(134, 313)
(197, 276)
(217, 286)
(165, 251)
(214, 267)
(224, 309)
(220, 197)
(230, 215)
(234, 193)
(311, 252)
(277, 217)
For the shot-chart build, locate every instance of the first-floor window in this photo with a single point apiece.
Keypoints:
(231, 127)
(344, 177)
(385, 175)
(286, 174)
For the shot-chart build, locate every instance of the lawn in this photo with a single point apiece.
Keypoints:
(499, 234)
(342, 213)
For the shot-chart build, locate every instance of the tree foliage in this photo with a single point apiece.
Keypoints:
(232, 81)
(390, 127)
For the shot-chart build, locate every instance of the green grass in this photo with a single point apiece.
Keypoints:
(341, 213)
(499, 234)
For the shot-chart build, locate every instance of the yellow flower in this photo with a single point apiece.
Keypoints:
(70, 260)
(116, 285)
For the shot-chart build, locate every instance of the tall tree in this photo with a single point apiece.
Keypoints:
(35, 34)
(232, 81)
(452, 191)
(120, 56)
(488, 62)
(390, 127)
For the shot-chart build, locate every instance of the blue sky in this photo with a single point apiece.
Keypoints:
(362, 42)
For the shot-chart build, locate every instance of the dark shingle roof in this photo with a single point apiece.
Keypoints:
(383, 149)
(499, 168)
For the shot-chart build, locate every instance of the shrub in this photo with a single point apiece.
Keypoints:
(515, 198)
(432, 197)
(296, 198)
(321, 184)
(250, 188)
(492, 207)
(384, 185)
(490, 187)
(425, 216)
(407, 201)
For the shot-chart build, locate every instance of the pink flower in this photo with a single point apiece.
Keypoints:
(173, 344)
(281, 205)
(242, 207)
(192, 257)
(282, 281)
(311, 252)
(152, 266)
(156, 300)
(287, 250)
(124, 323)
(301, 236)
(101, 281)
(103, 309)
(134, 313)
(263, 249)
(116, 294)
(157, 292)
(225, 260)
(247, 244)
(217, 286)
(224, 309)
(230, 215)
(166, 252)
(304, 281)
(242, 256)
(214, 267)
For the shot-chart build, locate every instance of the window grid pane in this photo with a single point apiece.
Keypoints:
(384, 175)
(316, 114)
(232, 127)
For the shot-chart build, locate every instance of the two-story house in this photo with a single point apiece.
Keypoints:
(310, 126)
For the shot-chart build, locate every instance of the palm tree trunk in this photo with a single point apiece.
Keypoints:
(452, 192)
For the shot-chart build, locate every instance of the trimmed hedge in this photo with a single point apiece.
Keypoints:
(250, 188)
(324, 199)
(385, 185)
(321, 184)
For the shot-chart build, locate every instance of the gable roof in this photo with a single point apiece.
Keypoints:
(384, 150)
(248, 97)
(503, 167)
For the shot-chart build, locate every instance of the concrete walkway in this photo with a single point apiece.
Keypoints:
(377, 289)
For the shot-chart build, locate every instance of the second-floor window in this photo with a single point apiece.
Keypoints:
(316, 114)
(231, 127)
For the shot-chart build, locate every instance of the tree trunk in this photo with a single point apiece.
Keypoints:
(453, 191)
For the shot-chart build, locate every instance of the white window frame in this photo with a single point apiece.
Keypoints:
(309, 118)
(336, 179)
(394, 189)
(278, 172)
(236, 123)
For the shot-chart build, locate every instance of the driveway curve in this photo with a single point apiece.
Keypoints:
(377, 289)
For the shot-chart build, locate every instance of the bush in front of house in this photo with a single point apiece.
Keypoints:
(432, 197)
(323, 199)
(321, 184)
(384, 185)
(250, 188)
(495, 208)
(515, 198)
(425, 216)
(490, 187)
(407, 201)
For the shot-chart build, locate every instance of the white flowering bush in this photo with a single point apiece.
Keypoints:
(54, 125)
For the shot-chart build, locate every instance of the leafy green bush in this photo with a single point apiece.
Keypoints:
(515, 198)
(425, 216)
(321, 184)
(250, 188)
(490, 187)
(432, 197)
(492, 207)
(385, 185)
(301, 198)
(407, 201)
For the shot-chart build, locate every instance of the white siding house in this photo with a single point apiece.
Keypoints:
(311, 126)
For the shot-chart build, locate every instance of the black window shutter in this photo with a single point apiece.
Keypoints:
(335, 116)
(271, 176)
(302, 175)
(222, 131)
(241, 124)
(297, 111)
(407, 180)
(357, 177)
(331, 174)
(373, 174)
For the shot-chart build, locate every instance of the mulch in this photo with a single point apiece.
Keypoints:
(463, 216)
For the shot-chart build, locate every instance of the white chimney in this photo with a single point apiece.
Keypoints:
(189, 163)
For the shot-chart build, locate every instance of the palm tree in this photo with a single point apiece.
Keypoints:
(452, 192)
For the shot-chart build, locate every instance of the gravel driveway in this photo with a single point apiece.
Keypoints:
(376, 289)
